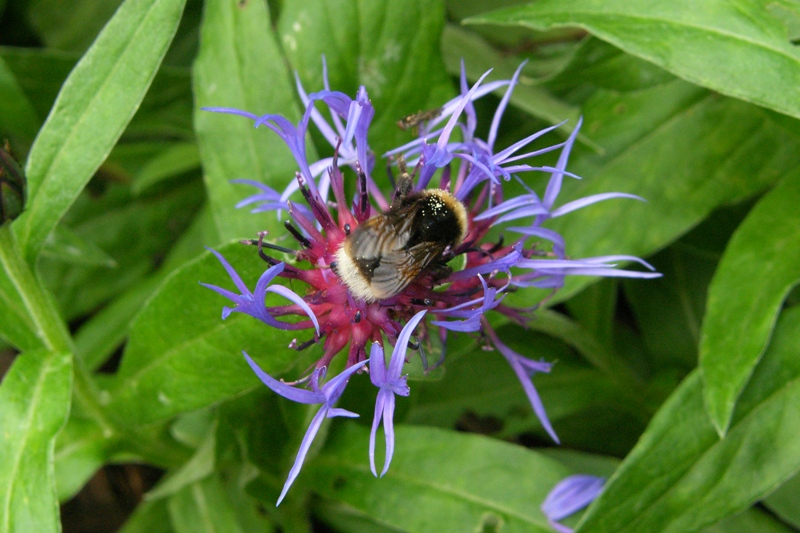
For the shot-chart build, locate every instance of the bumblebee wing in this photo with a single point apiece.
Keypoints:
(399, 268)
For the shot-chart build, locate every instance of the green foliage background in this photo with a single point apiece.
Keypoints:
(684, 391)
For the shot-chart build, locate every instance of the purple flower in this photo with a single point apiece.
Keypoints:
(389, 382)
(252, 303)
(327, 395)
(525, 369)
(569, 496)
(471, 314)
(475, 172)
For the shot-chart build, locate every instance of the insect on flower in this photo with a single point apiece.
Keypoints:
(387, 252)
(414, 120)
(378, 270)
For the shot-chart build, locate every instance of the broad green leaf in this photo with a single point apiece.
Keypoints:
(760, 266)
(93, 108)
(203, 507)
(239, 65)
(684, 150)
(17, 326)
(438, 481)
(392, 48)
(514, 39)
(596, 64)
(736, 48)
(681, 476)
(181, 356)
(34, 402)
(29, 318)
(17, 116)
(261, 429)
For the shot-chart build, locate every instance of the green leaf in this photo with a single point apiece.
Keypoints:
(684, 150)
(391, 47)
(681, 476)
(181, 356)
(736, 48)
(478, 56)
(105, 331)
(40, 74)
(149, 517)
(34, 402)
(583, 463)
(669, 310)
(81, 449)
(760, 266)
(438, 481)
(479, 392)
(173, 161)
(239, 65)
(71, 29)
(132, 233)
(752, 519)
(597, 64)
(785, 502)
(200, 466)
(17, 327)
(573, 334)
(93, 108)
(203, 507)
(166, 111)
(64, 245)
(29, 317)
(594, 309)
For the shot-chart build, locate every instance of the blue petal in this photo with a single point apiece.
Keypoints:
(313, 428)
(287, 391)
(571, 495)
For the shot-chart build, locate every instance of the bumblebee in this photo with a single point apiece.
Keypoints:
(385, 253)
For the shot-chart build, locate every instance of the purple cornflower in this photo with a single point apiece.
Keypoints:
(327, 395)
(389, 382)
(569, 496)
(439, 300)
